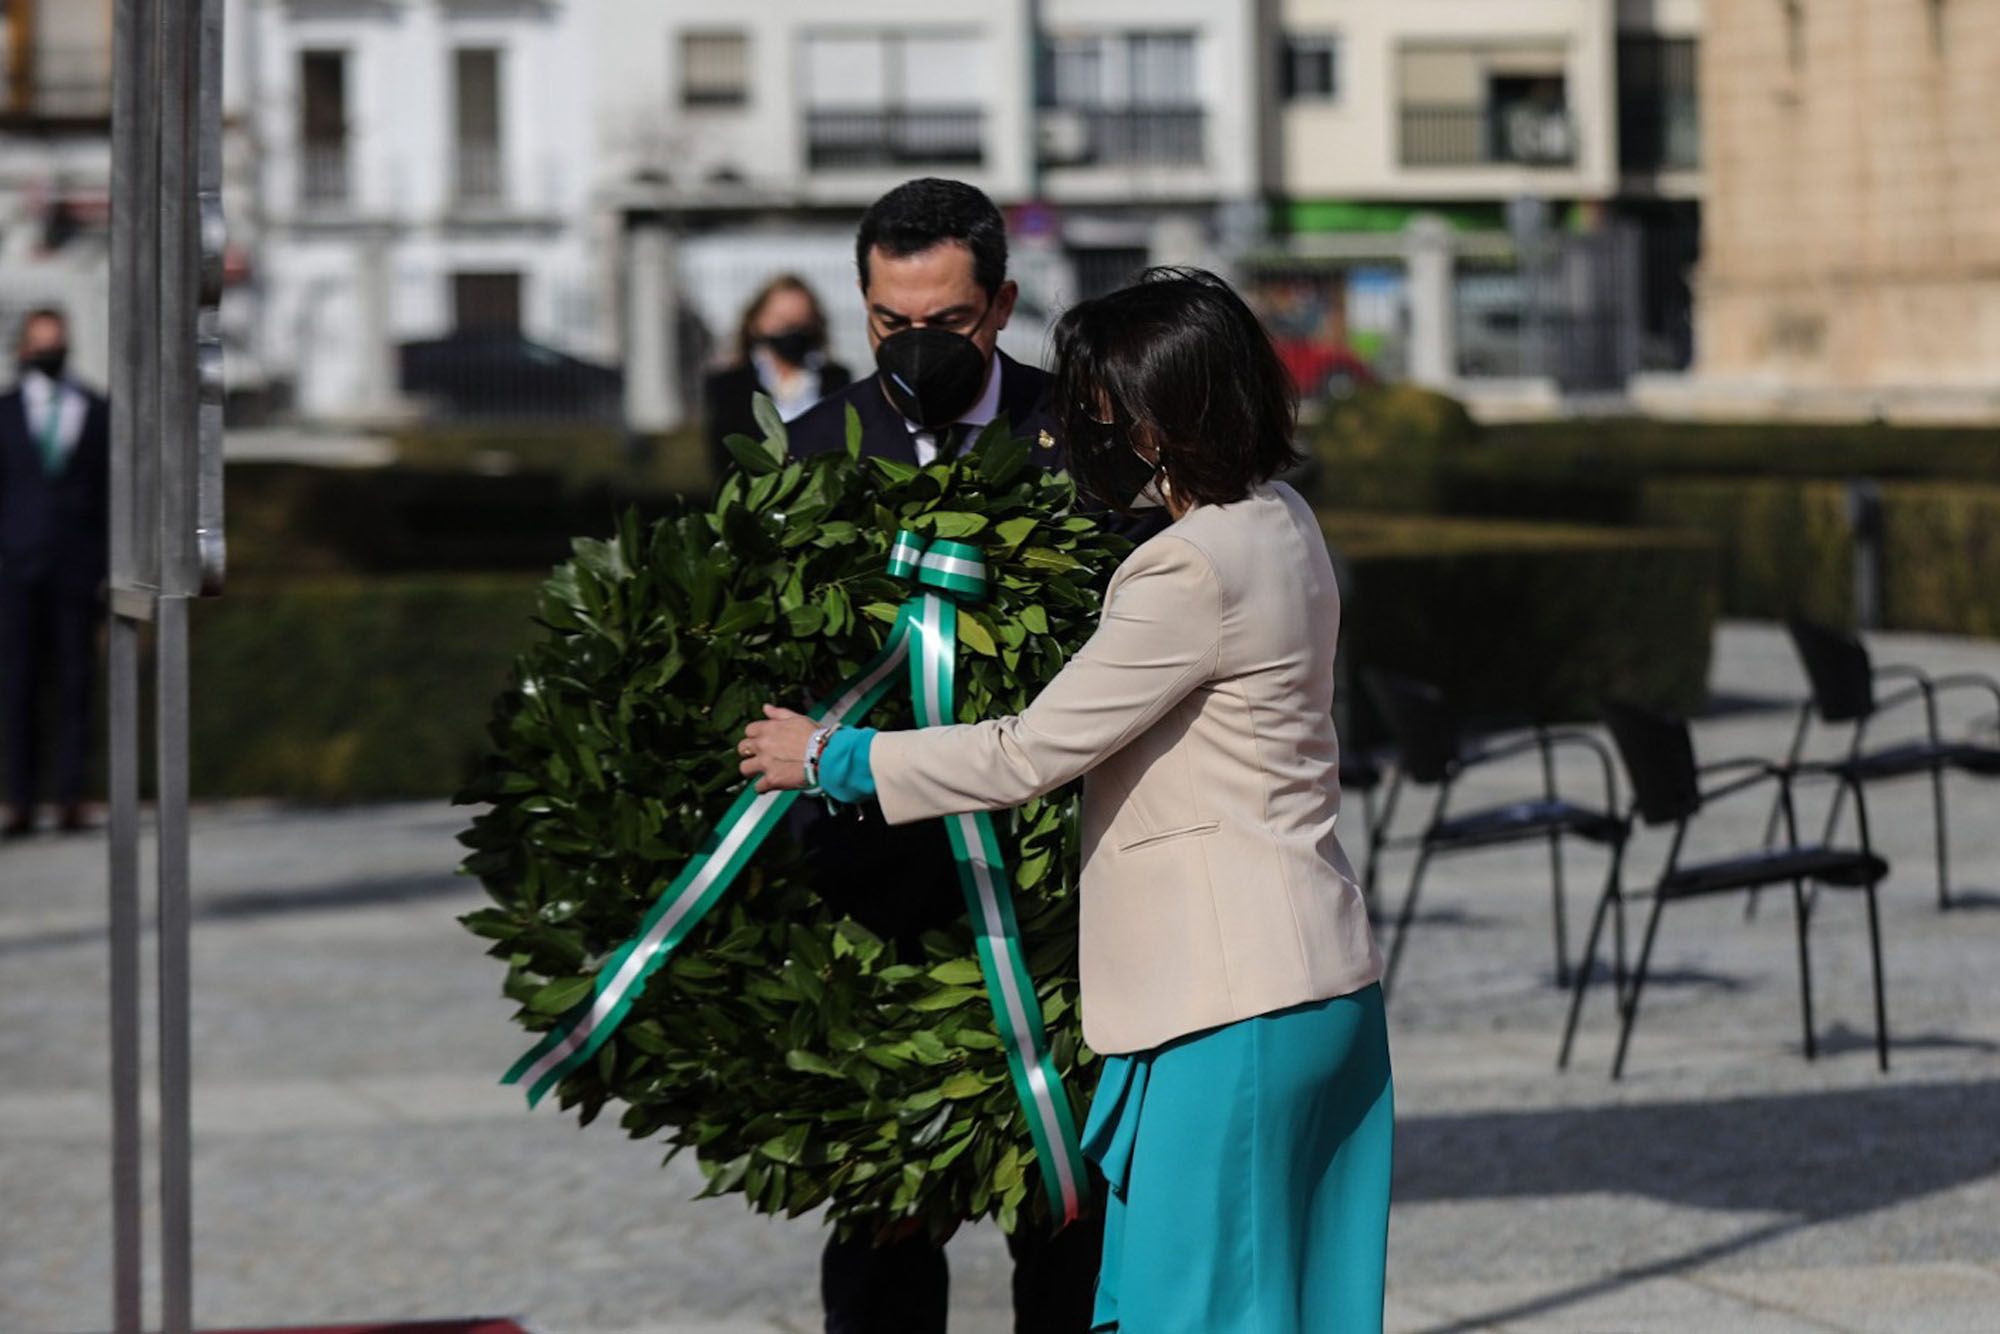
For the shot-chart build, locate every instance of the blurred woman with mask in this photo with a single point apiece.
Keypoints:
(781, 350)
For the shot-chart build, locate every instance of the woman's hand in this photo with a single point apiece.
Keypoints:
(774, 751)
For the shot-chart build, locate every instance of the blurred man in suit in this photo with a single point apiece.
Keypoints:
(55, 476)
(932, 256)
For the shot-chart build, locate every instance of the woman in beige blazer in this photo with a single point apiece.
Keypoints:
(1243, 1121)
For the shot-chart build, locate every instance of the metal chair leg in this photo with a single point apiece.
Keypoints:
(1631, 1007)
(1378, 836)
(1403, 920)
(1368, 838)
(1588, 963)
(1620, 951)
(1561, 925)
(1805, 968)
(1881, 1003)
(1943, 839)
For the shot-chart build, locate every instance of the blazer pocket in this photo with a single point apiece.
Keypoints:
(1168, 835)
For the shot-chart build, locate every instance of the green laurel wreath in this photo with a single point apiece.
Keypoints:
(803, 1060)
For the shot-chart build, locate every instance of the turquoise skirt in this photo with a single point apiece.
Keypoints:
(1249, 1176)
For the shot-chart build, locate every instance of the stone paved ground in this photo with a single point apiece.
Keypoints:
(356, 1160)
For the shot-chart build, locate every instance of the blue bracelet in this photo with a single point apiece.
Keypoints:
(815, 748)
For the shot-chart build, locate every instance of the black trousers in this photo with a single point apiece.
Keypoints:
(904, 1288)
(48, 648)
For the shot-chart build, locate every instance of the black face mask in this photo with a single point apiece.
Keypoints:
(931, 375)
(1124, 479)
(49, 361)
(791, 346)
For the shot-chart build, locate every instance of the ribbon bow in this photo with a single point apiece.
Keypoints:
(925, 635)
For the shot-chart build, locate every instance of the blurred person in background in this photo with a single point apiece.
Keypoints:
(781, 351)
(55, 508)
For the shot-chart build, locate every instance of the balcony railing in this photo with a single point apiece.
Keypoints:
(894, 137)
(1122, 136)
(59, 86)
(323, 176)
(1461, 136)
(479, 176)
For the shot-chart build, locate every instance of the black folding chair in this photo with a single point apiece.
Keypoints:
(1666, 786)
(1430, 753)
(1843, 691)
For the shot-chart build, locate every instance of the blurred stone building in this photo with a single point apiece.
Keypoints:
(55, 167)
(1852, 225)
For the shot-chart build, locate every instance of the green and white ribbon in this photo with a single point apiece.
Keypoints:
(927, 622)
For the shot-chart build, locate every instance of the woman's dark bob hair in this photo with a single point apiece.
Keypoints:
(1178, 362)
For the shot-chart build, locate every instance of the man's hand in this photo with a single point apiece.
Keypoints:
(774, 751)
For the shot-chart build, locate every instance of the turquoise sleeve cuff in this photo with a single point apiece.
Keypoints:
(844, 774)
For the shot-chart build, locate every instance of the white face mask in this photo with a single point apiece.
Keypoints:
(1150, 496)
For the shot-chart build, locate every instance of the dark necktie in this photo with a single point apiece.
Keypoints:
(954, 438)
(51, 432)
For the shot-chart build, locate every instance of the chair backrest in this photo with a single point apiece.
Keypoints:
(1836, 662)
(1426, 732)
(1659, 759)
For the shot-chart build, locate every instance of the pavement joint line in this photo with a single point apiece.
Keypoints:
(1775, 1307)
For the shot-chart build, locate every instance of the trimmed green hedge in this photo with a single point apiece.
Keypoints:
(1408, 450)
(1772, 497)
(1513, 619)
(295, 521)
(339, 689)
(580, 455)
(1786, 545)
(1788, 549)
(349, 689)
(1941, 558)
(1643, 447)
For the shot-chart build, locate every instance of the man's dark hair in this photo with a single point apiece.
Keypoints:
(1177, 361)
(927, 212)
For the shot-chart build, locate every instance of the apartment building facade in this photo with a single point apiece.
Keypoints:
(55, 168)
(403, 171)
(1115, 132)
(1537, 116)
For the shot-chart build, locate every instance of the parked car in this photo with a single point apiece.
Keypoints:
(503, 374)
(1323, 370)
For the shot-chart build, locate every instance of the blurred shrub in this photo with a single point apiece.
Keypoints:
(351, 689)
(1595, 470)
(1941, 558)
(1788, 548)
(1394, 423)
(290, 520)
(1786, 545)
(1639, 447)
(580, 456)
(1514, 619)
(1771, 496)
(341, 689)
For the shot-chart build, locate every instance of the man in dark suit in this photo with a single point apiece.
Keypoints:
(55, 481)
(932, 256)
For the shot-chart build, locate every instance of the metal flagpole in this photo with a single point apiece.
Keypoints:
(134, 579)
(166, 549)
(134, 285)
